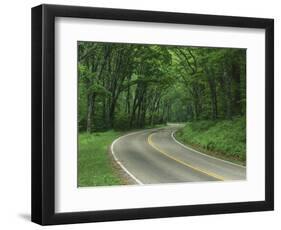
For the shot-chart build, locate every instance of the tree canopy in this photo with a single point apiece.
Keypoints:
(126, 86)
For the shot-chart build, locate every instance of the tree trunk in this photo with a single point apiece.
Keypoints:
(90, 112)
(228, 96)
(196, 107)
(212, 86)
(128, 104)
(237, 93)
(112, 112)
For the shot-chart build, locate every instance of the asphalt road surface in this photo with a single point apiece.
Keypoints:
(154, 156)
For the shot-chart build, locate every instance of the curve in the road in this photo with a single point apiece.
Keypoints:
(153, 156)
(211, 174)
(119, 163)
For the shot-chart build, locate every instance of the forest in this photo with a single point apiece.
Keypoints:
(132, 86)
(123, 87)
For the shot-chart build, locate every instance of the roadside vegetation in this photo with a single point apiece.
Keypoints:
(224, 139)
(95, 166)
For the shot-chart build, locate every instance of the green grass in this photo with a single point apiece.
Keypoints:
(95, 166)
(225, 139)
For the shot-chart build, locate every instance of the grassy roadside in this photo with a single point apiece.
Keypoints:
(224, 139)
(95, 167)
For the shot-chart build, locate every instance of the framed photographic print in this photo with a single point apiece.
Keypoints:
(141, 114)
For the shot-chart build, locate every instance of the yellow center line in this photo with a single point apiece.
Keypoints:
(211, 174)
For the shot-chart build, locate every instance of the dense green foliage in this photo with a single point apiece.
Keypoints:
(126, 86)
(94, 164)
(132, 86)
(226, 138)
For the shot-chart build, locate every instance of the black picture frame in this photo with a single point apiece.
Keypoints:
(43, 114)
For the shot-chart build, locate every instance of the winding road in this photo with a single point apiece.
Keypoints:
(154, 156)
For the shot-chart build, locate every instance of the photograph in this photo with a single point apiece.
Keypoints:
(151, 114)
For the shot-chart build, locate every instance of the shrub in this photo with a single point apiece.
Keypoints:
(122, 122)
(227, 137)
